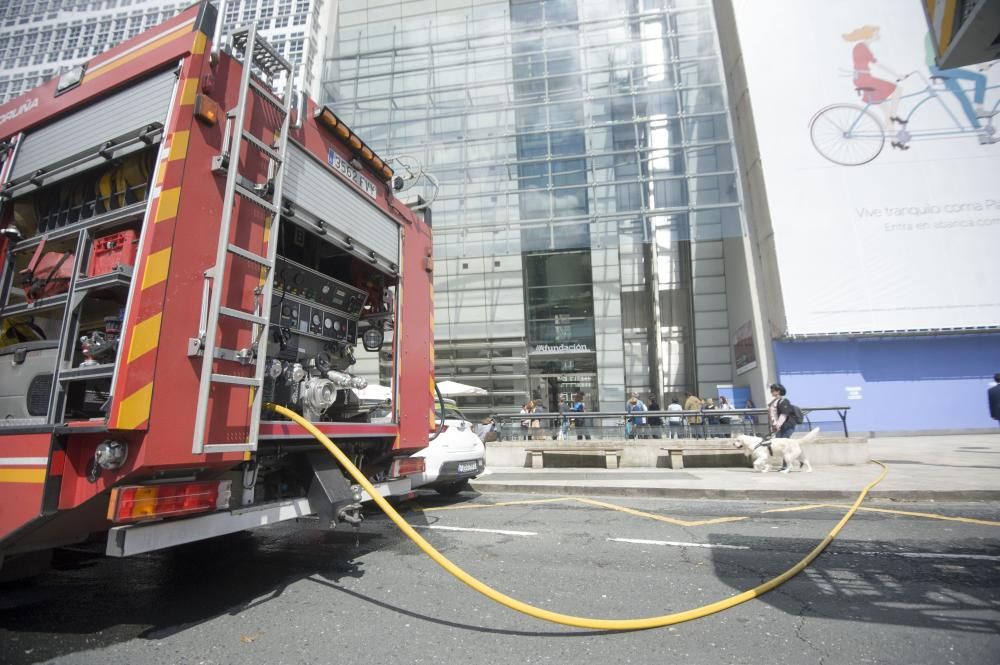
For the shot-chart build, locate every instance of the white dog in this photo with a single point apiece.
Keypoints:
(790, 450)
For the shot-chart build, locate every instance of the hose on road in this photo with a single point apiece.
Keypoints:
(567, 619)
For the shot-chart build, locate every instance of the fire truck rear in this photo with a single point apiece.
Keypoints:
(185, 241)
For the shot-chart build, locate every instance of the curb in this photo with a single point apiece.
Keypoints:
(713, 493)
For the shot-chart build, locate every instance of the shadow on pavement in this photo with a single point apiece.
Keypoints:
(861, 581)
(88, 601)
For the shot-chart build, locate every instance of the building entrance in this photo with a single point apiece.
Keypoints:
(549, 388)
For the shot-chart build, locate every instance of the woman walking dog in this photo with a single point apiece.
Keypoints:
(780, 415)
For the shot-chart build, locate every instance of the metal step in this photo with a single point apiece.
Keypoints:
(247, 194)
(263, 147)
(243, 316)
(237, 380)
(264, 56)
(86, 373)
(268, 96)
(250, 256)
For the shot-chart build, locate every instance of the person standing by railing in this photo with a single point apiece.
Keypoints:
(693, 403)
(728, 419)
(675, 423)
(582, 430)
(655, 423)
(634, 423)
(563, 431)
(710, 419)
(527, 409)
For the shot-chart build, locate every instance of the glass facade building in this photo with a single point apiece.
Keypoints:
(41, 38)
(587, 186)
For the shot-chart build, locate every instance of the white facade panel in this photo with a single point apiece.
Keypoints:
(873, 237)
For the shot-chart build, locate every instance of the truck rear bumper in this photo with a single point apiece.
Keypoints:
(130, 539)
(138, 538)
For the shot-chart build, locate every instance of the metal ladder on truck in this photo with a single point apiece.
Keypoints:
(256, 54)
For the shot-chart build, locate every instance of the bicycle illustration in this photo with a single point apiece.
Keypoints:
(852, 134)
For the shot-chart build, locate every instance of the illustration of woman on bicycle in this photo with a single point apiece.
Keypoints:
(873, 90)
(851, 134)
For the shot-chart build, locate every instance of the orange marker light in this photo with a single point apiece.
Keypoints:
(206, 109)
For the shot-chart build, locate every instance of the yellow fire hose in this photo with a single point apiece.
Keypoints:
(566, 619)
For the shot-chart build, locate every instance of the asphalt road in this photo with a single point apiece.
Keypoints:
(893, 588)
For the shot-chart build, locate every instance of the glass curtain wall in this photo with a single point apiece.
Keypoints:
(587, 183)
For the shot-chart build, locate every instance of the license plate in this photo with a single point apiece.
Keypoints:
(463, 467)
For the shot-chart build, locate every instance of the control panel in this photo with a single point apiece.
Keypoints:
(316, 288)
(308, 318)
(310, 303)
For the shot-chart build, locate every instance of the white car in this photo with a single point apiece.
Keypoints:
(452, 459)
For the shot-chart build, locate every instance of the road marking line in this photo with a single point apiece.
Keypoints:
(907, 513)
(935, 555)
(659, 518)
(672, 543)
(932, 516)
(811, 506)
(717, 520)
(463, 528)
(492, 505)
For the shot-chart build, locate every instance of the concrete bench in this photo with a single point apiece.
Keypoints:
(677, 452)
(610, 454)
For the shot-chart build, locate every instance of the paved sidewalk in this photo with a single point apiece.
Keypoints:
(927, 468)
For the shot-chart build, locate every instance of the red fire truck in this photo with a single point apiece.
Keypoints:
(186, 239)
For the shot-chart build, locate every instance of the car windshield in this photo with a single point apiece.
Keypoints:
(452, 412)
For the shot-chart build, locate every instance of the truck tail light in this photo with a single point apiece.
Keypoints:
(406, 466)
(142, 502)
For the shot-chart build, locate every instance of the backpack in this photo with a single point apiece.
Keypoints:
(795, 414)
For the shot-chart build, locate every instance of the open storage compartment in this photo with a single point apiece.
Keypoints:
(66, 282)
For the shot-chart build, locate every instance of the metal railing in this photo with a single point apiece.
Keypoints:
(620, 425)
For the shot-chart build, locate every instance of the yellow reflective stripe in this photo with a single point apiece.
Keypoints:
(189, 90)
(135, 408)
(145, 337)
(22, 475)
(199, 43)
(166, 205)
(156, 268)
(178, 145)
